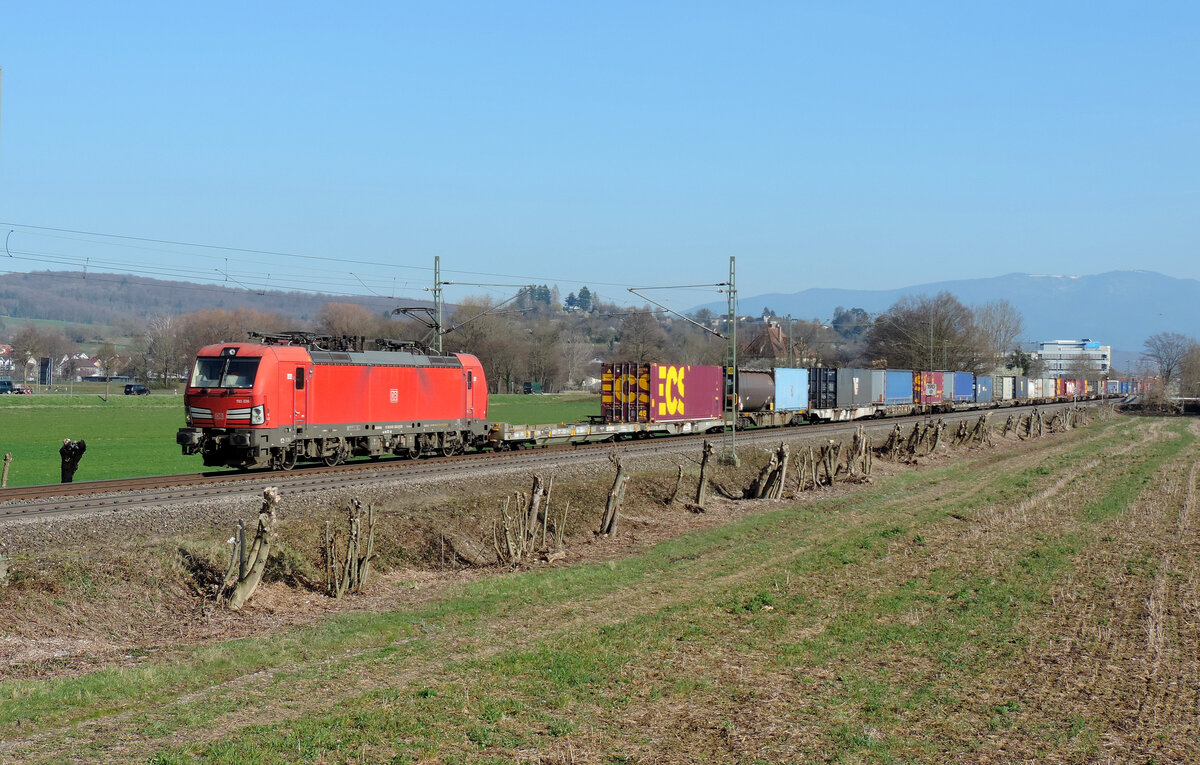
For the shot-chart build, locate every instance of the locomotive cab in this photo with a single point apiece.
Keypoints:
(238, 402)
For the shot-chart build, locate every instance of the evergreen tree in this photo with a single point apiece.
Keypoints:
(585, 300)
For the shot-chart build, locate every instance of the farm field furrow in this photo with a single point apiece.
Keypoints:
(1037, 599)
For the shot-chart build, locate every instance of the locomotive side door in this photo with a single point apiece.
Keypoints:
(300, 383)
(470, 389)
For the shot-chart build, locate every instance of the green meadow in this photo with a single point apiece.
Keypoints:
(130, 436)
(127, 436)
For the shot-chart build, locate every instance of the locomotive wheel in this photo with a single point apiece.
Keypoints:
(287, 459)
(411, 453)
(332, 460)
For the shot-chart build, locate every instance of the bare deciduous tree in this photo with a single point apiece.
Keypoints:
(108, 356)
(349, 319)
(920, 332)
(1189, 372)
(642, 338)
(1166, 351)
(999, 325)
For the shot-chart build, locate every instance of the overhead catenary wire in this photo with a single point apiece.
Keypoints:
(333, 282)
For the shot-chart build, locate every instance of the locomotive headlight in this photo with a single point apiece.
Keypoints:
(257, 415)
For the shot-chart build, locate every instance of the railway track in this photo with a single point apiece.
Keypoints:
(63, 500)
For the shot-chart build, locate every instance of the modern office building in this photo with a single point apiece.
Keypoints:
(1071, 358)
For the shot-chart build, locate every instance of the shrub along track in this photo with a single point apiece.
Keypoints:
(914, 619)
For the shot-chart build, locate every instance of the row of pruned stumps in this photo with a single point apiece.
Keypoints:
(347, 557)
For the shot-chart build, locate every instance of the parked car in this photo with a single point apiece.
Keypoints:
(137, 390)
(6, 386)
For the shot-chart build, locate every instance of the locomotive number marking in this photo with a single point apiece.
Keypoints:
(394, 395)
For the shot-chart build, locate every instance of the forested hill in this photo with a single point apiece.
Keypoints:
(113, 298)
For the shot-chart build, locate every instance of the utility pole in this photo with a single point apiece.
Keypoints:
(437, 300)
(789, 342)
(731, 361)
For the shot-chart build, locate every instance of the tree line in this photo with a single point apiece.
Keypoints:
(533, 337)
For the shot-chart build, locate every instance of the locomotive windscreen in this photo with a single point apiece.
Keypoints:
(224, 372)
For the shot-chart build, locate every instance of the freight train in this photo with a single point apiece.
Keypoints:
(300, 397)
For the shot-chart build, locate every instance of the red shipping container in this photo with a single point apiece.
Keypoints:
(928, 387)
(661, 392)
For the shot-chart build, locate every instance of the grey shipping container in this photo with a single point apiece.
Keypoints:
(860, 387)
(1020, 387)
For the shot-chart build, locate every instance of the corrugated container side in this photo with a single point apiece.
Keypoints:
(964, 386)
(686, 392)
(899, 387)
(660, 392)
(859, 387)
(1001, 388)
(1020, 387)
(1049, 387)
(983, 389)
(791, 390)
(822, 388)
(927, 387)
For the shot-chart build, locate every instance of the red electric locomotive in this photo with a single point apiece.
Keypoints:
(301, 397)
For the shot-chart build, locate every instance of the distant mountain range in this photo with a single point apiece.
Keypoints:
(1118, 308)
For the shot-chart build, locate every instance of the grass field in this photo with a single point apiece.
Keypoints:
(1034, 601)
(130, 436)
(126, 436)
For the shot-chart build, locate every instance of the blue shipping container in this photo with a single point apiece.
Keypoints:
(983, 389)
(899, 387)
(964, 387)
(791, 390)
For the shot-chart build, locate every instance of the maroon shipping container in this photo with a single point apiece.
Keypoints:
(928, 387)
(661, 392)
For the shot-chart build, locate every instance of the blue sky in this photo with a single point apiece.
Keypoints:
(857, 145)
